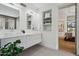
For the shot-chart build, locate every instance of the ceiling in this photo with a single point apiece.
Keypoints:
(42, 6)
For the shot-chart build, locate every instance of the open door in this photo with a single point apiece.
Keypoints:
(67, 27)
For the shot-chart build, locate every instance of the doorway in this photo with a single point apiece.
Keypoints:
(67, 27)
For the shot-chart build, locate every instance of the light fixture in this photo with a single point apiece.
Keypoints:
(22, 4)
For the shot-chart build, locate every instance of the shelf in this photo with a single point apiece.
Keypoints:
(47, 18)
(47, 24)
(47, 21)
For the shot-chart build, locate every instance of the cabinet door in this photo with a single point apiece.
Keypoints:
(7, 40)
(36, 38)
(26, 41)
(33, 39)
(22, 38)
(23, 41)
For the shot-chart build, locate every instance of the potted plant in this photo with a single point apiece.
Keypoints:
(11, 49)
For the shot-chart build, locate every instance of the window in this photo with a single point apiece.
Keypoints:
(7, 22)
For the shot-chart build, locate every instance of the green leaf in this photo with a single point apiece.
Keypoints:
(11, 49)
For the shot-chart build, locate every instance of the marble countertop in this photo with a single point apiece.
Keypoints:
(10, 35)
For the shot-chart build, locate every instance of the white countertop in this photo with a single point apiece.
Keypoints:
(9, 35)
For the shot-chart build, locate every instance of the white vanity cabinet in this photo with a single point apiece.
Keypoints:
(26, 40)
(33, 39)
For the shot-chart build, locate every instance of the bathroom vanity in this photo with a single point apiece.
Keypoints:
(27, 39)
(13, 21)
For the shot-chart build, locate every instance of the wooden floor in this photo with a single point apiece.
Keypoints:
(66, 45)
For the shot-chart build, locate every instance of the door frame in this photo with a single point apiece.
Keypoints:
(71, 4)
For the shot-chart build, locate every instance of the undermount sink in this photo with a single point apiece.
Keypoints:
(15, 34)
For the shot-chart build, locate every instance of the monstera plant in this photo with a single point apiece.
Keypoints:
(11, 49)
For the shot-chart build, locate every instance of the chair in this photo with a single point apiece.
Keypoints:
(69, 37)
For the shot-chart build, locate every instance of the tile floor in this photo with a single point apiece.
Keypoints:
(39, 50)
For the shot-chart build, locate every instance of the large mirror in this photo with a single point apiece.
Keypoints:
(8, 17)
(29, 21)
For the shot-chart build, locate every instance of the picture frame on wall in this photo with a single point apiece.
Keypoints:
(61, 26)
(70, 23)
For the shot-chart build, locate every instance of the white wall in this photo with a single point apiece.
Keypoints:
(22, 19)
(35, 19)
(62, 17)
(50, 38)
(5, 10)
